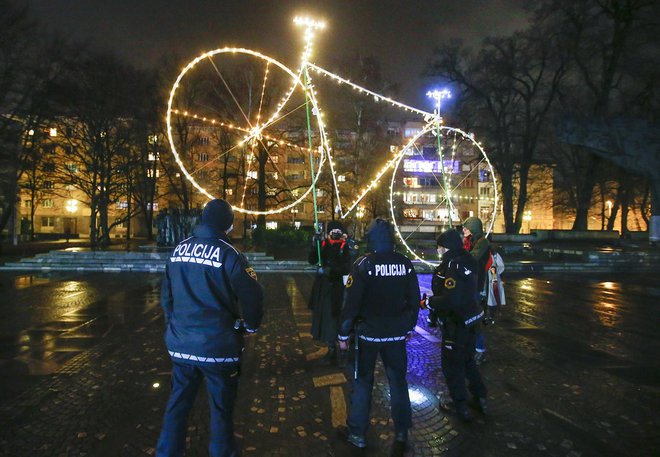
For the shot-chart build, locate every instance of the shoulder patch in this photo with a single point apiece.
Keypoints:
(450, 283)
(250, 271)
(349, 281)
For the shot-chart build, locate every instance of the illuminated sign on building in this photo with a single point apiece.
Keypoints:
(430, 166)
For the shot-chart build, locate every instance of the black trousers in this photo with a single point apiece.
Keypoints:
(221, 384)
(395, 360)
(458, 364)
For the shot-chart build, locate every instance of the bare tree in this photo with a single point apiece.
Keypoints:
(27, 67)
(599, 36)
(506, 92)
(98, 102)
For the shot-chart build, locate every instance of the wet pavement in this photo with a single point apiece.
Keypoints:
(572, 370)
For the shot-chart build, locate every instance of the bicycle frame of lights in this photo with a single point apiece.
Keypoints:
(302, 79)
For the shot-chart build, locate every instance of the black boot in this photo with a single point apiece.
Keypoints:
(331, 356)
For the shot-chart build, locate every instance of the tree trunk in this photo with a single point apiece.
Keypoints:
(507, 205)
(261, 187)
(584, 192)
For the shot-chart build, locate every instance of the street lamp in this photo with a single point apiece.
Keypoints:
(71, 206)
(609, 208)
(438, 95)
(527, 216)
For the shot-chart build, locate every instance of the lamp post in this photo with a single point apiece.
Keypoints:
(527, 216)
(359, 214)
(438, 95)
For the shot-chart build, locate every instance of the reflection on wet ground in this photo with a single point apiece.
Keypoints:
(571, 371)
(47, 319)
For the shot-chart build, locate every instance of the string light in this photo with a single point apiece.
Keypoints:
(257, 132)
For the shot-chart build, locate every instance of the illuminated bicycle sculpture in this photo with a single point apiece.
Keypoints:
(253, 107)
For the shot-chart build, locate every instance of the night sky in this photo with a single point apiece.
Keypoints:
(401, 34)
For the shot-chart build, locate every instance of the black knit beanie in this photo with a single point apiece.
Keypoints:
(218, 214)
(450, 239)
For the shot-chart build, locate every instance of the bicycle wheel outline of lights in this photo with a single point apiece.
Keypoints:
(251, 134)
(449, 163)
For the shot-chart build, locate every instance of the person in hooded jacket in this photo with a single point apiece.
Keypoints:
(478, 246)
(456, 302)
(210, 298)
(328, 288)
(380, 310)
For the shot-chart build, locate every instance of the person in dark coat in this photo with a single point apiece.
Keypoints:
(476, 243)
(380, 310)
(328, 288)
(210, 298)
(456, 302)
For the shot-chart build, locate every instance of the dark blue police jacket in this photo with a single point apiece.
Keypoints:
(208, 286)
(382, 293)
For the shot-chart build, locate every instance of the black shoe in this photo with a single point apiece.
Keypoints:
(479, 358)
(356, 440)
(398, 449)
(462, 412)
(330, 357)
(483, 405)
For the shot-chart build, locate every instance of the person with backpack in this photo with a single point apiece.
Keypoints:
(456, 302)
(478, 246)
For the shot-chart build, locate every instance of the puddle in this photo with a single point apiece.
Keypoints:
(25, 281)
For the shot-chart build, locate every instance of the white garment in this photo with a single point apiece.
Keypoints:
(494, 275)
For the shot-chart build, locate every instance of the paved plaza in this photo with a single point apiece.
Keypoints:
(572, 370)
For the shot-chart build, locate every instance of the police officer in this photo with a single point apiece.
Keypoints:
(205, 281)
(456, 301)
(380, 309)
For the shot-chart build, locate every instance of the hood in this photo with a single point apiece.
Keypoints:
(451, 240)
(474, 225)
(379, 236)
(208, 231)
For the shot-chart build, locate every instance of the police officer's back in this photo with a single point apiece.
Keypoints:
(380, 306)
(210, 298)
(456, 302)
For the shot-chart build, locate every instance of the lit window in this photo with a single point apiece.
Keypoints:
(53, 132)
(48, 184)
(150, 173)
(252, 174)
(72, 167)
(203, 157)
(27, 203)
(48, 221)
(230, 191)
(274, 159)
(272, 225)
(48, 203)
(152, 157)
(341, 178)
